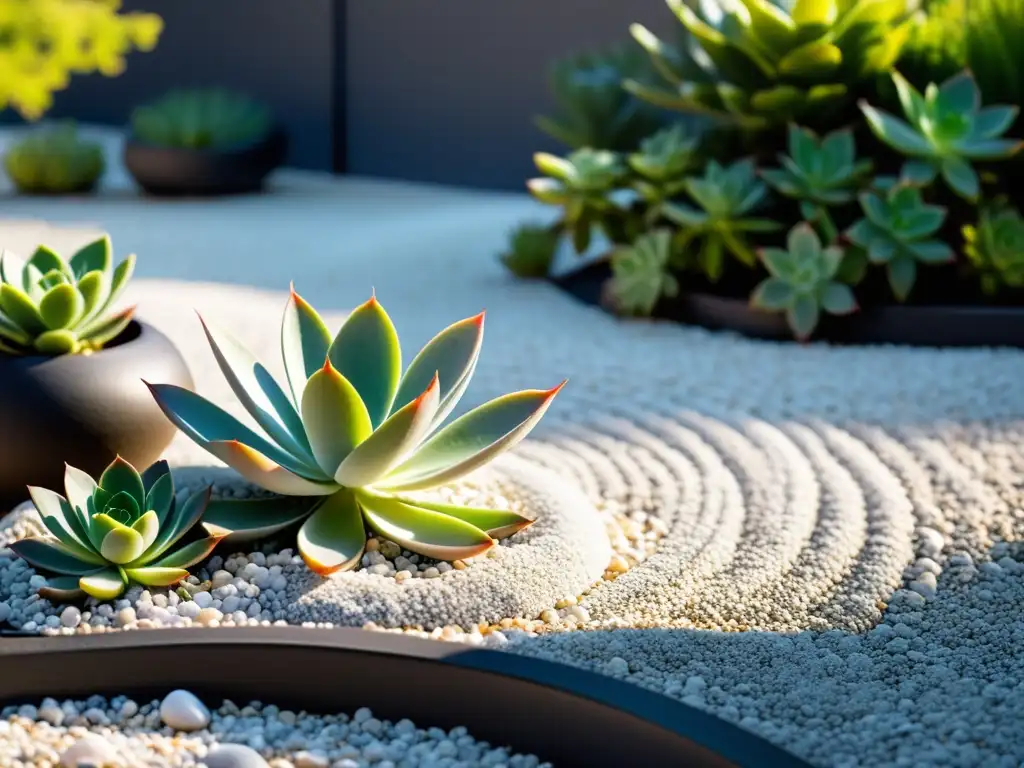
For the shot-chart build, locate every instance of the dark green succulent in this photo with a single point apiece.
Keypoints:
(995, 246)
(202, 119)
(54, 160)
(819, 173)
(946, 129)
(803, 281)
(531, 250)
(897, 231)
(640, 273)
(661, 166)
(725, 196)
(583, 185)
(593, 108)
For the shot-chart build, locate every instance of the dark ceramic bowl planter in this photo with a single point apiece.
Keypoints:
(921, 325)
(559, 713)
(173, 171)
(84, 410)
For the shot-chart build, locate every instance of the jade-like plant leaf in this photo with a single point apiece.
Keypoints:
(121, 544)
(257, 518)
(94, 256)
(160, 497)
(422, 530)
(472, 440)
(104, 585)
(61, 589)
(194, 552)
(61, 307)
(335, 417)
(185, 516)
(496, 523)
(109, 329)
(304, 343)
(50, 555)
(258, 469)
(333, 538)
(51, 509)
(16, 304)
(122, 477)
(46, 260)
(156, 576)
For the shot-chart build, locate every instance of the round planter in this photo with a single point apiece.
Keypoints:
(921, 325)
(84, 410)
(559, 713)
(171, 171)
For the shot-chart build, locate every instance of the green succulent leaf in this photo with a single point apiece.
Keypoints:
(640, 273)
(902, 275)
(802, 316)
(192, 553)
(258, 518)
(496, 523)
(97, 256)
(61, 306)
(107, 584)
(103, 333)
(895, 133)
(20, 309)
(961, 178)
(185, 516)
(50, 555)
(304, 343)
(838, 299)
(156, 576)
(333, 538)
(335, 417)
(773, 294)
(61, 589)
(122, 477)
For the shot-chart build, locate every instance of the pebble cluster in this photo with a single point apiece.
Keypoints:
(181, 731)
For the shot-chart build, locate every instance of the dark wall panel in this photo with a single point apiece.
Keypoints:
(446, 90)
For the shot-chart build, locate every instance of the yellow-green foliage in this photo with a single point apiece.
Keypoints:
(937, 48)
(54, 160)
(44, 42)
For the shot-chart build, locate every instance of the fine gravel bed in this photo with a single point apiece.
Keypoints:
(838, 568)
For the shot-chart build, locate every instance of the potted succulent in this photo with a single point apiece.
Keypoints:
(203, 142)
(71, 369)
(54, 160)
(822, 194)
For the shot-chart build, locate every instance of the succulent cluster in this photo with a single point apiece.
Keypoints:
(353, 436)
(882, 178)
(50, 306)
(54, 160)
(202, 119)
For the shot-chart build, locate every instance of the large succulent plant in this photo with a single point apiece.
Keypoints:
(726, 197)
(640, 273)
(946, 129)
(531, 250)
(897, 231)
(583, 184)
(53, 307)
(593, 108)
(803, 281)
(54, 160)
(126, 528)
(661, 165)
(355, 435)
(202, 119)
(819, 173)
(995, 246)
(759, 63)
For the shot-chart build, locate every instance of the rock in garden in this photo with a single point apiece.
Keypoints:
(234, 756)
(90, 750)
(182, 711)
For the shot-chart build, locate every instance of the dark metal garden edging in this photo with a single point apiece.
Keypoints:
(560, 713)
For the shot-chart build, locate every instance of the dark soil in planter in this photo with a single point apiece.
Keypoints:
(559, 713)
(171, 171)
(934, 317)
(84, 410)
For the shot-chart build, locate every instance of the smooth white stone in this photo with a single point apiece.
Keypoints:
(183, 711)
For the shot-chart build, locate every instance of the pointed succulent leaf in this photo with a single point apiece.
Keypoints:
(94, 256)
(79, 487)
(838, 299)
(185, 516)
(959, 95)
(153, 474)
(160, 498)
(895, 133)
(50, 555)
(46, 260)
(51, 507)
(472, 440)
(61, 589)
(772, 294)
(257, 518)
(932, 252)
(93, 287)
(304, 343)
(496, 523)
(918, 173)
(333, 538)
(779, 262)
(156, 576)
(267, 474)
(960, 177)
(423, 531)
(902, 275)
(122, 477)
(194, 552)
(107, 584)
(335, 417)
(108, 329)
(802, 316)
(122, 274)
(367, 353)
(993, 122)
(989, 149)
(11, 269)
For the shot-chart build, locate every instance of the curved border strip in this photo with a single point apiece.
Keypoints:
(560, 713)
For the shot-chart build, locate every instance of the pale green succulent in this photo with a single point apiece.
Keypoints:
(640, 273)
(54, 160)
(946, 129)
(204, 118)
(995, 247)
(354, 435)
(51, 306)
(531, 250)
(726, 197)
(803, 281)
(128, 528)
(661, 165)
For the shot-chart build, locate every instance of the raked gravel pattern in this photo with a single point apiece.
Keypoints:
(839, 569)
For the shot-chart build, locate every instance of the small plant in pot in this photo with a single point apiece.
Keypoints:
(71, 366)
(54, 160)
(203, 142)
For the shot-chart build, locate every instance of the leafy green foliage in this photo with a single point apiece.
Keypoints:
(593, 108)
(898, 231)
(995, 246)
(946, 128)
(583, 185)
(640, 273)
(756, 64)
(725, 196)
(127, 528)
(354, 434)
(54, 160)
(44, 42)
(803, 281)
(992, 32)
(937, 47)
(51, 306)
(661, 166)
(202, 119)
(531, 250)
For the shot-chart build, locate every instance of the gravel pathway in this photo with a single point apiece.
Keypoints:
(838, 568)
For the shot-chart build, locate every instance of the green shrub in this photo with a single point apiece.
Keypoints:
(202, 119)
(54, 160)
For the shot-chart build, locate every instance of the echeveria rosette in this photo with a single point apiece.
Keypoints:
(54, 160)
(803, 281)
(584, 185)
(758, 64)
(661, 165)
(203, 118)
(819, 173)
(726, 197)
(640, 273)
(995, 247)
(127, 528)
(51, 306)
(945, 129)
(355, 435)
(897, 231)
